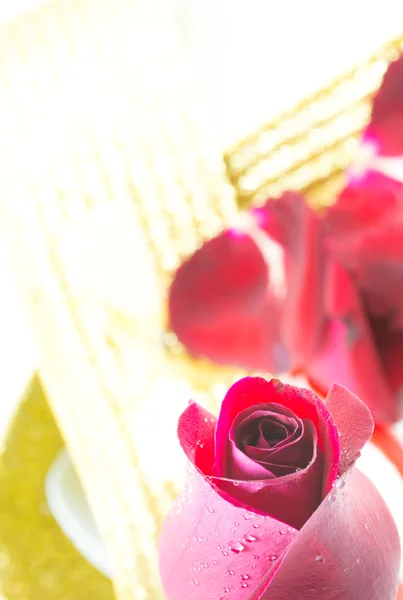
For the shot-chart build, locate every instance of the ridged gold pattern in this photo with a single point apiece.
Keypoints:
(109, 177)
(309, 148)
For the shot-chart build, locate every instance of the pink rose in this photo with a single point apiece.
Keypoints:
(273, 508)
(363, 343)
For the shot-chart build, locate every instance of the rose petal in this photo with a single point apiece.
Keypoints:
(220, 305)
(390, 347)
(305, 404)
(242, 463)
(348, 550)
(353, 421)
(386, 125)
(297, 227)
(363, 206)
(379, 269)
(209, 548)
(351, 359)
(200, 552)
(276, 496)
(196, 429)
(295, 451)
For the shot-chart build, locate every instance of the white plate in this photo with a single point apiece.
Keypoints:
(69, 506)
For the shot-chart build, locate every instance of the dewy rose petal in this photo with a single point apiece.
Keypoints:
(216, 543)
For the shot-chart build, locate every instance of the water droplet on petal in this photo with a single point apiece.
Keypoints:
(253, 566)
(340, 483)
(236, 547)
(206, 419)
(282, 532)
(244, 584)
(214, 562)
(366, 526)
(255, 556)
(320, 560)
(255, 525)
(236, 483)
(359, 561)
(224, 553)
(272, 557)
(195, 582)
(210, 510)
(236, 523)
(250, 538)
(346, 570)
(332, 498)
(205, 565)
(221, 546)
(231, 572)
(247, 516)
(245, 577)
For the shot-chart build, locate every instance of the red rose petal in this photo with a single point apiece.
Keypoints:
(348, 355)
(276, 496)
(305, 404)
(297, 227)
(386, 125)
(348, 550)
(363, 206)
(196, 430)
(220, 305)
(353, 421)
(379, 269)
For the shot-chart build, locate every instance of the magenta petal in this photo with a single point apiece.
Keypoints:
(353, 353)
(196, 429)
(348, 550)
(353, 421)
(220, 306)
(386, 125)
(276, 496)
(297, 227)
(304, 403)
(210, 549)
(364, 206)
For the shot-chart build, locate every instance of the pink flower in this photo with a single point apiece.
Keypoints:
(253, 297)
(363, 342)
(274, 508)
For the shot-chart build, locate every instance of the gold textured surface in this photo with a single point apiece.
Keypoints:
(109, 176)
(36, 558)
(309, 148)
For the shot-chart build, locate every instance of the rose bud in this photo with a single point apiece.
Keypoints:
(274, 508)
